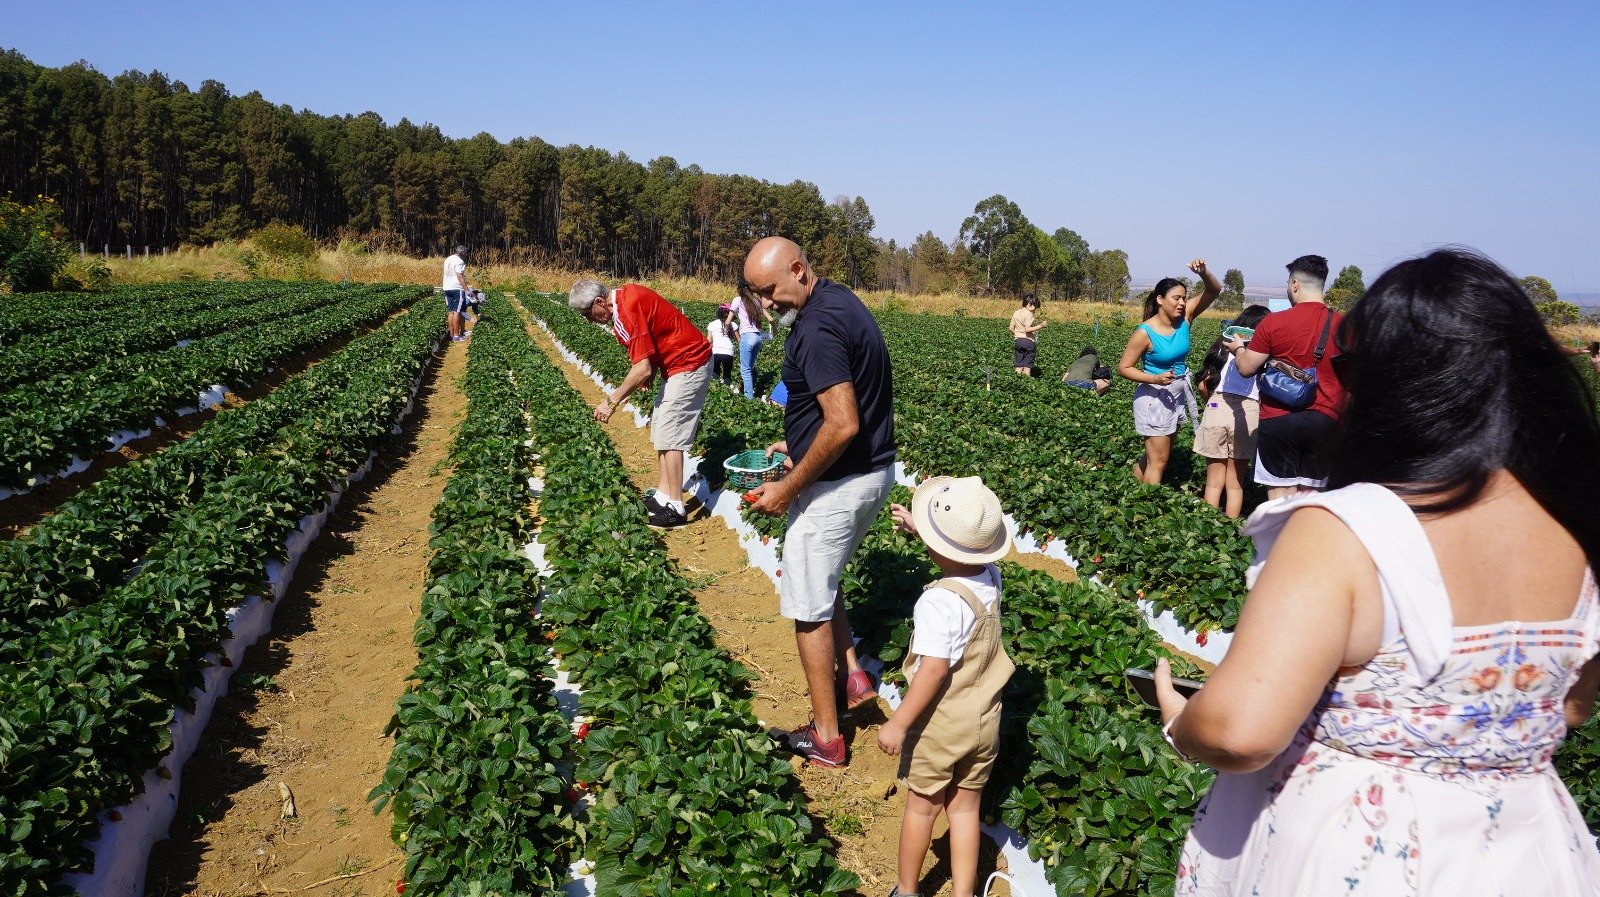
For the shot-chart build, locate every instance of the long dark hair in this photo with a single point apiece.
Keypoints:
(725, 318)
(1211, 369)
(1161, 287)
(1451, 375)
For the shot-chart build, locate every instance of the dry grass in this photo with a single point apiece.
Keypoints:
(226, 260)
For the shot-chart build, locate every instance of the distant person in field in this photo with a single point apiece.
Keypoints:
(658, 337)
(839, 434)
(1226, 437)
(1024, 335)
(1088, 373)
(1291, 443)
(456, 289)
(1420, 639)
(755, 328)
(1156, 358)
(946, 730)
(721, 332)
(474, 303)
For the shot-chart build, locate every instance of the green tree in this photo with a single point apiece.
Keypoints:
(1347, 288)
(1106, 275)
(1557, 313)
(30, 251)
(986, 229)
(1539, 289)
(1232, 289)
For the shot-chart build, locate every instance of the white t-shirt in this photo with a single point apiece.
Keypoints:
(943, 622)
(718, 334)
(453, 266)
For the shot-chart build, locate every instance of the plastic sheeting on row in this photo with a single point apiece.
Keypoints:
(209, 398)
(122, 849)
(567, 694)
(640, 419)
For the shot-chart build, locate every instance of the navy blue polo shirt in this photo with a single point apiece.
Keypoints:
(835, 339)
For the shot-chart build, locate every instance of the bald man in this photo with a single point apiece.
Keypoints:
(839, 435)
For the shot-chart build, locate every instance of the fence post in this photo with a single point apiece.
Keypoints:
(106, 252)
(81, 251)
(127, 250)
(147, 250)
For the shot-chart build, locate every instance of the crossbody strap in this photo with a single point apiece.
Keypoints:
(1327, 324)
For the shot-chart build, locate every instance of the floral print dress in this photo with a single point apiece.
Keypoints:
(1425, 772)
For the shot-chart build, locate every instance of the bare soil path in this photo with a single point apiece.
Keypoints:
(310, 703)
(858, 804)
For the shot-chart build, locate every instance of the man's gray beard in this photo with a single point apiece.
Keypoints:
(787, 318)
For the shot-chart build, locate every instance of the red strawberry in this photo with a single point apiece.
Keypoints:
(780, 571)
(752, 497)
(572, 796)
(400, 886)
(1202, 638)
(583, 731)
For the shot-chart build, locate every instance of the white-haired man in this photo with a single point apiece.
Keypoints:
(657, 337)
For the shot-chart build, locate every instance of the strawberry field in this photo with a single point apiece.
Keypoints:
(574, 723)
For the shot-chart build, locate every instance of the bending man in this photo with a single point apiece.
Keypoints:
(657, 337)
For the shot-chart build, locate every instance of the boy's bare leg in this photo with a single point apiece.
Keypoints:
(961, 805)
(916, 835)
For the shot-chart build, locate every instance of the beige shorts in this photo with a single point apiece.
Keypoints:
(1228, 427)
(928, 768)
(676, 418)
(827, 522)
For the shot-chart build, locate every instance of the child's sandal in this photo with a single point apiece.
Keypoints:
(895, 892)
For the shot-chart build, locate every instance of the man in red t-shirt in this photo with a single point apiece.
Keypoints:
(1290, 442)
(657, 337)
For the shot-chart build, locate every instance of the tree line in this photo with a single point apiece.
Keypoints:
(141, 160)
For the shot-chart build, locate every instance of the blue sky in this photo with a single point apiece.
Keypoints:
(1244, 133)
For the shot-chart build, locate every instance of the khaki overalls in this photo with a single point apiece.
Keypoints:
(957, 744)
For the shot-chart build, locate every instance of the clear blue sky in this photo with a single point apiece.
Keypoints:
(1245, 133)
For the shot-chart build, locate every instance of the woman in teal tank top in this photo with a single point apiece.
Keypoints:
(1157, 359)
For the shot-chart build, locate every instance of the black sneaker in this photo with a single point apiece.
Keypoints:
(804, 741)
(664, 518)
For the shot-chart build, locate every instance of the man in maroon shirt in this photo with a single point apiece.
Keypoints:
(1290, 441)
(657, 337)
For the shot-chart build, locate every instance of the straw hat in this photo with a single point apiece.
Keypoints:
(960, 519)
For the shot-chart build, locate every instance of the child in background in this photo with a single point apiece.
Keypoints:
(1226, 437)
(947, 728)
(719, 332)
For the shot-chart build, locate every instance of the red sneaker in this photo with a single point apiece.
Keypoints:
(804, 741)
(858, 690)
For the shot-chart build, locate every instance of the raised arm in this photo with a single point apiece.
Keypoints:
(1212, 291)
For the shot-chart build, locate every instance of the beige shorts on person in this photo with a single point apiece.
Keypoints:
(928, 768)
(1228, 427)
(676, 418)
(827, 522)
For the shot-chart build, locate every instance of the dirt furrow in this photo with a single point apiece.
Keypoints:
(310, 703)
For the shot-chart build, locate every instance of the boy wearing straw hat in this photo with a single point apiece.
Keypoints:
(947, 728)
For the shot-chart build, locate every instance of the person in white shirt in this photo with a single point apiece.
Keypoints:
(456, 290)
(946, 730)
(721, 346)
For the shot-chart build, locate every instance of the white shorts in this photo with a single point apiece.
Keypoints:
(827, 522)
(1158, 410)
(676, 418)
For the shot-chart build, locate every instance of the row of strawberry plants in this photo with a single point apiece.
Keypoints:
(29, 315)
(95, 539)
(88, 699)
(43, 425)
(692, 795)
(482, 763)
(154, 328)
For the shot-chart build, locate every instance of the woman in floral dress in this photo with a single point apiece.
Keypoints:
(1385, 719)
